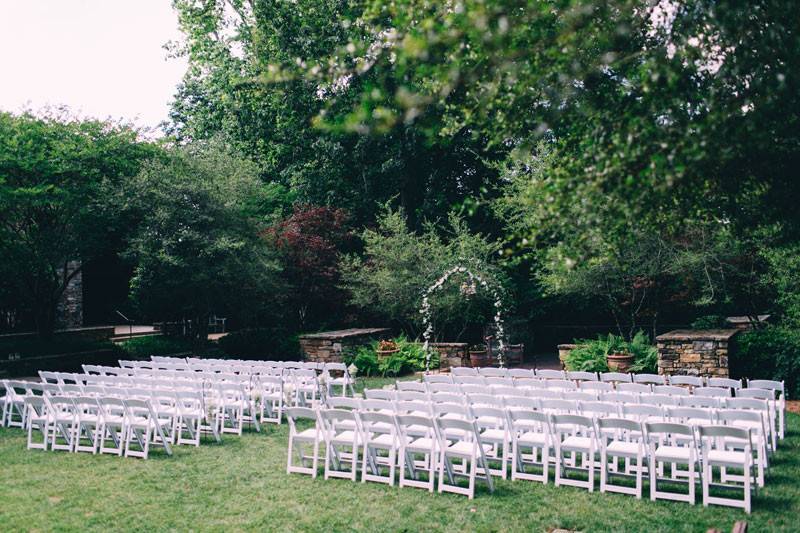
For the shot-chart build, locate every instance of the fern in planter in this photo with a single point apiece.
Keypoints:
(590, 354)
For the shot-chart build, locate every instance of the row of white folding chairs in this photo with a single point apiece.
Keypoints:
(563, 384)
(611, 377)
(759, 398)
(759, 410)
(96, 424)
(466, 442)
(762, 389)
(226, 406)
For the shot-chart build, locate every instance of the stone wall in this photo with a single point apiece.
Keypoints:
(696, 352)
(328, 346)
(451, 354)
(69, 313)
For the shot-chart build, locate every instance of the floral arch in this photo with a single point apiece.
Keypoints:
(467, 289)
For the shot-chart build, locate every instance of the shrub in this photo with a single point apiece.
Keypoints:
(710, 322)
(261, 343)
(590, 355)
(409, 358)
(772, 352)
(144, 347)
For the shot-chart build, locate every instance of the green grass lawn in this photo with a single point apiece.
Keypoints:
(242, 484)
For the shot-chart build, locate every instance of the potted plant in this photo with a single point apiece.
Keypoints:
(386, 349)
(478, 356)
(620, 361)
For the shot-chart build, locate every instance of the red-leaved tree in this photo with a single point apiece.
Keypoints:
(309, 242)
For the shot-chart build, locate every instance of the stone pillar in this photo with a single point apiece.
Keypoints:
(69, 313)
(696, 352)
(451, 354)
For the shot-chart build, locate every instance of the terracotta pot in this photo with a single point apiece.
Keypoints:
(386, 353)
(619, 362)
(478, 358)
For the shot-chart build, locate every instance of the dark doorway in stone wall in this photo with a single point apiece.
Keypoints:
(105, 290)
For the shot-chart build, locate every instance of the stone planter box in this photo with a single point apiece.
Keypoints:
(563, 351)
(328, 346)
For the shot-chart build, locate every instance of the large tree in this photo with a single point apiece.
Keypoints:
(53, 211)
(233, 89)
(196, 248)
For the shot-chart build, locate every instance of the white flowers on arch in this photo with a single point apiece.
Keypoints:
(467, 289)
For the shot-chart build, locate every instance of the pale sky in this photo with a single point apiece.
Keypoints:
(102, 58)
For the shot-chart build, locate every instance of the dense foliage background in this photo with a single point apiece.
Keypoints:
(614, 166)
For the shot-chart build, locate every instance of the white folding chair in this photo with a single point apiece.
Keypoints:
(113, 425)
(192, 418)
(635, 388)
(597, 386)
(671, 390)
(779, 388)
(574, 434)
(530, 431)
(581, 376)
(729, 383)
(14, 404)
(341, 443)
(686, 381)
(380, 394)
(38, 417)
(417, 386)
(621, 438)
(712, 392)
(468, 449)
(674, 444)
(381, 441)
(419, 450)
(763, 407)
(545, 373)
(337, 375)
(437, 378)
(463, 371)
(142, 428)
(615, 377)
(650, 379)
(63, 422)
(492, 423)
(492, 372)
(271, 399)
(753, 422)
(717, 453)
(299, 439)
(88, 423)
(521, 373)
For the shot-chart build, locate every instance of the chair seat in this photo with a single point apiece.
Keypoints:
(576, 443)
(726, 458)
(532, 438)
(494, 435)
(273, 396)
(464, 448)
(626, 449)
(114, 420)
(143, 423)
(672, 453)
(191, 413)
(345, 437)
(309, 435)
(425, 445)
(385, 440)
